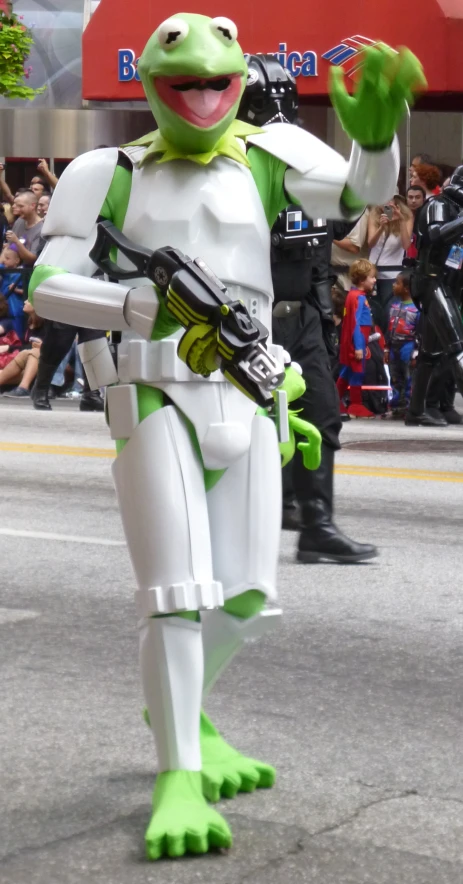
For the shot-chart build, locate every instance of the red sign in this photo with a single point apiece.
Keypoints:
(317, 35)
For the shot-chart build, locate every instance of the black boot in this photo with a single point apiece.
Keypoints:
(428, 363)
(91, 401)
(292, 517)
(320, 538)
(425, 419)
(436, 414)
(40, 393)
(452, 416)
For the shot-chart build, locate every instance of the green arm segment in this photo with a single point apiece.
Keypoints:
(40, 274)
(117, 199)
(351, 205)
(269, 177)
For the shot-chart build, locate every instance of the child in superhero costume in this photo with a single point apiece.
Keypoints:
(356, 329)
(401, 341)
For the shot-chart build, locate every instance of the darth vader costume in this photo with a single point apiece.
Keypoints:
(437, 289)
(303, 325)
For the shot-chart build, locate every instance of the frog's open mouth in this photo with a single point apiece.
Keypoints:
(202, 102)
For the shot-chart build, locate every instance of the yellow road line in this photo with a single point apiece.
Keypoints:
(341, 469)
(395, 473)
(58, 450)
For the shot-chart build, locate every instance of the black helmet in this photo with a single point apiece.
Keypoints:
(454, 189)
(270, 95)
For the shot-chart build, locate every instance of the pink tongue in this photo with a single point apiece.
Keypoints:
(202, 102)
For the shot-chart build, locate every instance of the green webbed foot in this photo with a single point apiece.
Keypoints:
(182, 822)
(225, 771)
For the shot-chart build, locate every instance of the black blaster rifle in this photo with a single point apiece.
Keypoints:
(220, 333)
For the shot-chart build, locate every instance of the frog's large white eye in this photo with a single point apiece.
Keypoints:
(172, 32)
(225, 29)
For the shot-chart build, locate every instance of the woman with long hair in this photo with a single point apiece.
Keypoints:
(390, 229)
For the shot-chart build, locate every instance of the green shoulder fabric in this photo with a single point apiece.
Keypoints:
(114, 209)
(117, 199)
(269, 175)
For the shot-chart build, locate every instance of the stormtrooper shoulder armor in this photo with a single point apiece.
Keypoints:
(299, 149)
(90, 175)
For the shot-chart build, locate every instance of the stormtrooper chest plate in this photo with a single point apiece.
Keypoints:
(213, 212)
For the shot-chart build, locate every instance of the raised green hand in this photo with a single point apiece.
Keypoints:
(389, 81)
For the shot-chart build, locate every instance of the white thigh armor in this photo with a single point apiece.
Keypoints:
(160, 489)
(245, 516)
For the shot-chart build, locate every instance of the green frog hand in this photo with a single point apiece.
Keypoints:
(310, 450)
(311, 453)
(389, 81)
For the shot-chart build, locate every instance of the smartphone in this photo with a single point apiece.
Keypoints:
(387, 210)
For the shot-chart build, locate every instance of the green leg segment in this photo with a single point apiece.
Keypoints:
(246, 605)
(149, 400)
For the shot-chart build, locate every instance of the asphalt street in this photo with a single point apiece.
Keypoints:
(357, 699)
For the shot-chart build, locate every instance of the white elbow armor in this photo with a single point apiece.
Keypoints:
(94, 303)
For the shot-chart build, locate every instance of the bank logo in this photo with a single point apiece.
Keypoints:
(348, 54)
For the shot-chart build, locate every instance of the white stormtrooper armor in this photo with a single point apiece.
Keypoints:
(190, 549)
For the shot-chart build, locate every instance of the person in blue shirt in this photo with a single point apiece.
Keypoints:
(401, 340)
(11, 288)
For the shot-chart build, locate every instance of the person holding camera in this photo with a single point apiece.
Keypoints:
(390, 229)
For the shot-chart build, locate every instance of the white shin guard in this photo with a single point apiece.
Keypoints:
(224, 635)
(171, 658)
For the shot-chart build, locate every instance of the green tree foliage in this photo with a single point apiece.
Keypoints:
(15, 46)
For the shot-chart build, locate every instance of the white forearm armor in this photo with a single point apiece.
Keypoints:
(317, 174)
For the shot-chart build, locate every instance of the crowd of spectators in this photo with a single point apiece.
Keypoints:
(380, 344)
(21, 331)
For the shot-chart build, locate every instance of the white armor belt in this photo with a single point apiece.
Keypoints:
(155, 362)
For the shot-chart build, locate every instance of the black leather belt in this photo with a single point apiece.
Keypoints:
(284, 309)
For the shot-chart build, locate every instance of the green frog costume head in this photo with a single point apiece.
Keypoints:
(193, 72)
